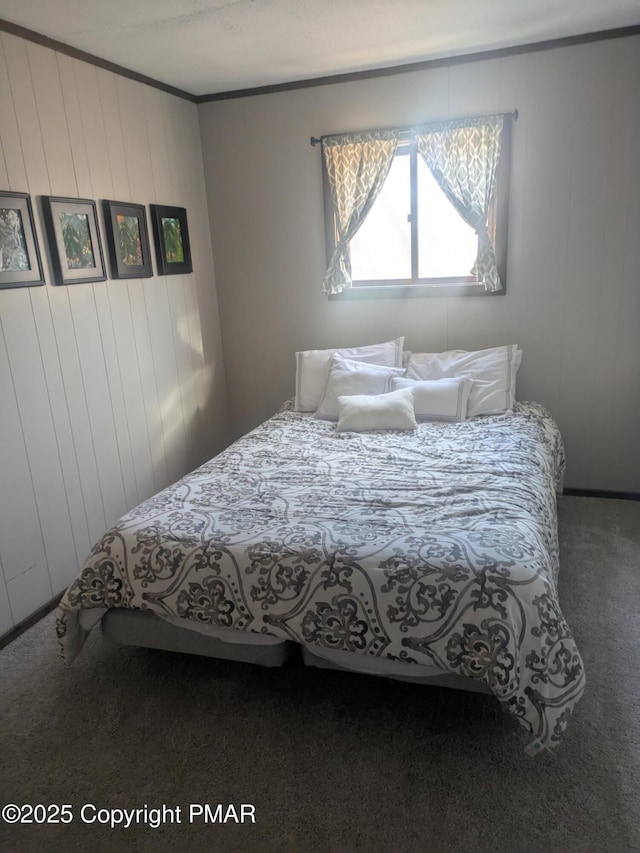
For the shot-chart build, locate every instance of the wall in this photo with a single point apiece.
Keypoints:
(573, 300)
(108, 391)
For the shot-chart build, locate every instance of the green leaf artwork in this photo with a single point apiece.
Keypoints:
(173, 249)
(129, 239)
(13, 249)
(77, 240)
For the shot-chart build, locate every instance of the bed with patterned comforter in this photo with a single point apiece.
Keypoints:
(436, 546)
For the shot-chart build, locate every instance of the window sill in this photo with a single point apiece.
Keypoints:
(411, 291)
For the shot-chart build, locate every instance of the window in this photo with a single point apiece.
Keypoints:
(429, 215)
(413, 234)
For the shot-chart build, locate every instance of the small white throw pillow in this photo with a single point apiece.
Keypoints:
(438, 399)
(353, 377)
(312, 368)
(362, 412)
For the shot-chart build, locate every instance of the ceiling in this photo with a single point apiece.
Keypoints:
(211, 46)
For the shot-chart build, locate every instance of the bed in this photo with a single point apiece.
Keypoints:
(428, 554)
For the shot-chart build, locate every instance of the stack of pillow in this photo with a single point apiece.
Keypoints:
(379, 387)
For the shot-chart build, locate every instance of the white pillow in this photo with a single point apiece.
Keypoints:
(515, 366)
(493, 372)
(438, 399)
(312, 368)
(360, 412)
(353, 377)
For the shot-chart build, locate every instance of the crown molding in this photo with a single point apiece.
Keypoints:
(351, 76)
(330, 80)
(74, 53)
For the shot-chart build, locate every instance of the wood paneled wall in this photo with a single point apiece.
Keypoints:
(108, 391)
(573, 292)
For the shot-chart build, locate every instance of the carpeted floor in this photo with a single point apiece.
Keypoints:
(332, 761)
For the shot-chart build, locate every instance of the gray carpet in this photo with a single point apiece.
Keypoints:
(332, 761)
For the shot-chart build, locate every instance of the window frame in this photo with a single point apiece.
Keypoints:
(426, 287)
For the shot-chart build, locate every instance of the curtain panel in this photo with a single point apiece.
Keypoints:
(463, 157)
(357, 166)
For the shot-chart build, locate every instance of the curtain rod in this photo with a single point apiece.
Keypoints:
(315, 140)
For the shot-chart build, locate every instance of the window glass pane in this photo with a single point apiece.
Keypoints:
(382, 247)
(447, 246)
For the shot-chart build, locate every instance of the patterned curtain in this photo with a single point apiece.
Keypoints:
(357, 166)
(463, 157)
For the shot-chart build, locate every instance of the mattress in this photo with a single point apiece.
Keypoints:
(436, 547)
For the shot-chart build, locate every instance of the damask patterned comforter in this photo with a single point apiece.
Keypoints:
(437, 546)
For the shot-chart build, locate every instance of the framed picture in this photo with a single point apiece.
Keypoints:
(127, 239)
(171, 235)
(20, 264)
(74, 239)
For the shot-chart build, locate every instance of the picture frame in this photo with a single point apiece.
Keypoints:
(74, 239)
(171, 237)
(127, 239)
(20, 261)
